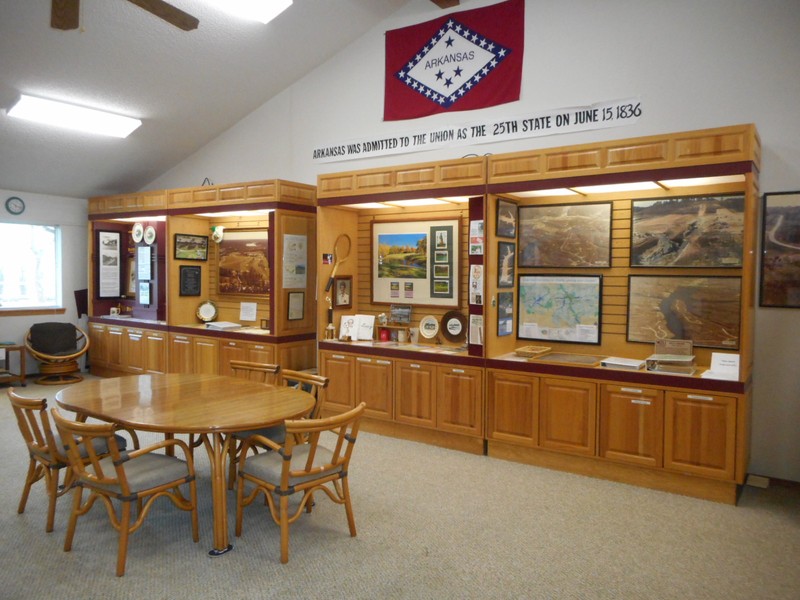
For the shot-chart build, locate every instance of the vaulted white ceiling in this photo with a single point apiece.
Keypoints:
(187, 87)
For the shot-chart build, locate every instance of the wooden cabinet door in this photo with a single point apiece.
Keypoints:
(230, 350)
(373, 379)
(155, 352)
(568, 416)
(261, 353)
(632, 425)
(459, 400)
(133, 351)
(414, 389)
(206, 355)
(700, 434)
(98, 350)
(340, 395)
(114, 336)
(513, 408)
(181, 354)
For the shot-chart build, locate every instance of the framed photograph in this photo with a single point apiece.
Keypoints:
(130, 291)
(416, 262)
(688, 231)
(565, 235)
(191, 247)
(705, 310)
(505, 313)
(243, 262)
(506, 219)
(109, 268)
(560, 308)
(144, 293)
(780, 254)
(343, 296)
(296, 307)
(189, 284)
(506, 253)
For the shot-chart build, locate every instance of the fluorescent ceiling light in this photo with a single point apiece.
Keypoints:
(262, 11)
(697, 181)
(416, 202)
(70, 116)
(458, 199)
(617, 187)
(141, 218)
(368, 205)
(238, 213)
(550, 192)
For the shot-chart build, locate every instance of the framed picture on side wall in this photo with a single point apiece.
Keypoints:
(780, 254)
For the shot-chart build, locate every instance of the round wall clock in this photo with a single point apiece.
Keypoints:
(15, 205)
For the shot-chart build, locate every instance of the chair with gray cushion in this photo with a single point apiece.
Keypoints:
(47, 453)
(124, 479)
(305, 467)
(57, 347)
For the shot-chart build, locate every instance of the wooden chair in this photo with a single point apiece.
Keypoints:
(277, 433)
(57, 347)
(47, 453)
(140, 477)
(300, 468)
(262, 372)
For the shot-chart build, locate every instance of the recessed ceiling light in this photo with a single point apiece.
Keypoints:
(262, 11)
(550, 192)
(697, 181)
(617, 187)
(416, 202)
(70, 116)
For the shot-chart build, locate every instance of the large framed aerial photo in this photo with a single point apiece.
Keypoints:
(506, 219)
(415, 262)
(705, 310)
(688, 231)
(243, 262)
(780, 255)
(560, 308)
(565, 235)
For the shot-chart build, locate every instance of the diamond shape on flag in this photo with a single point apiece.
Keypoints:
(451, 64)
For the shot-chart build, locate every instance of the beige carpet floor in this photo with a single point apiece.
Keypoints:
(432, 523)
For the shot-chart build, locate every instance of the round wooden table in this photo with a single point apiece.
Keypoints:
(209, 406)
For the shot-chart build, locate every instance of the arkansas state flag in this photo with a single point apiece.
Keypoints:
(462, 61)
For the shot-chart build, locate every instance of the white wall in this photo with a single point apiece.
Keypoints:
(72, 215)
(694, 64)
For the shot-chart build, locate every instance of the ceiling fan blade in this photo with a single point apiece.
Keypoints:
(65, 14)
(169, 13)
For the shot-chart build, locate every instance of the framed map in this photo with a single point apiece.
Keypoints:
(780, 256)
(705, 310)
(560, 308)
(565, 235)
(691, 231)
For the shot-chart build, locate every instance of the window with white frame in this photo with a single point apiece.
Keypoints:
(30, 266)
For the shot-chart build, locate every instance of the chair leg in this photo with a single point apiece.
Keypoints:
(195, 525)
(239, 506)
(284, 518)
(124, 531)
(233, 453)
(77, 497)
(348, 507)
(30, 479)
(51, 475)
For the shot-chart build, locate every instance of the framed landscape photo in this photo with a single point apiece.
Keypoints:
(560, 308)
(703, 309)
(565, 235)
(243, 262)
(688, 231)
(415, 262)
(780, 254)
(191, 247)
(506, 219)
(506, 253)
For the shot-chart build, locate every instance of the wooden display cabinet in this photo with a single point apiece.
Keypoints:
(568, 415)
(339, 368)
(632, 424)
(459, 400)
(373, 385)
(513, 408)
(415, 393)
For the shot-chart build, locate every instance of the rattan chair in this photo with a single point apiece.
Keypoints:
(124, 479)
(57, 347)
(299, 468)
(47, 453)
(277, 433)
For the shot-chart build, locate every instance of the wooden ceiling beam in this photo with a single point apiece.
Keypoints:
(65, 14)
(169, 13)
(445, 3)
